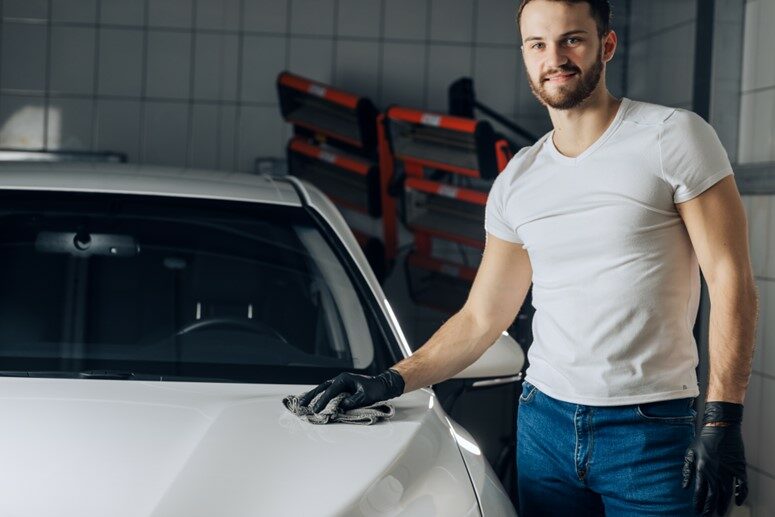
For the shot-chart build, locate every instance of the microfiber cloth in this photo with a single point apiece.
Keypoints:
(331, 413)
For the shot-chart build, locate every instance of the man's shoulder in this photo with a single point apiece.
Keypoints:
(521, 161)
(648, 113)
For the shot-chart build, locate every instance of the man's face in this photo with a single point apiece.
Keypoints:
(562, 53)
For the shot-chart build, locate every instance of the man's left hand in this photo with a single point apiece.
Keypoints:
(716, 460)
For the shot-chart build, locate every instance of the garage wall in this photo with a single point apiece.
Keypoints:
(191, 82)
(661, 51)
(757, 145)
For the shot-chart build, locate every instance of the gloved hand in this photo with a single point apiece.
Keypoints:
(716, 460)
(364, 389)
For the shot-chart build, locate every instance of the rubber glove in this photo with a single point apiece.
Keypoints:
(716, 460)
(364, 390)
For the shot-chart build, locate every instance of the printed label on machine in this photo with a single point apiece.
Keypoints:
(327, 157)
(317, 90)
(447, 191)
(430, 120)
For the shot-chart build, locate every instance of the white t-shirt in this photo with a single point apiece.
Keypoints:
(616, 281)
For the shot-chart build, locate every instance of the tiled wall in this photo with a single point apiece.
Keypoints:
(757, 144)
(759, 421)
(757, 102)
(191, 82)
(661, 51)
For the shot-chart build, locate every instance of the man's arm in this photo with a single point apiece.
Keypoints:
(498, 291)
(717, 227)
(715, 460)
(500, 286)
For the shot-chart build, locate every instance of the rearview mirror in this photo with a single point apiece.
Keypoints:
(85, 244)
(504, 359)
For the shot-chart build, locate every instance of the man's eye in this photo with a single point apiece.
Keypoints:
(535, 45)
(572, 41)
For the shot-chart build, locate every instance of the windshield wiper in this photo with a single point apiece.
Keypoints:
(112, 374)
(109, 374)
(86, 374)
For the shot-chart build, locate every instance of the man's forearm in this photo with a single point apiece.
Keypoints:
(733, 316)
(457, 344)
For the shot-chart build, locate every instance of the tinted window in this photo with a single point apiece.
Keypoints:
(178, 289)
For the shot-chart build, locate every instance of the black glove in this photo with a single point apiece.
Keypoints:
(365, 390)
(716, 459)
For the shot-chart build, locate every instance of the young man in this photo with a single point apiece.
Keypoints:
(610, 215)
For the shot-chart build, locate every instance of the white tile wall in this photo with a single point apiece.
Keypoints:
(266, 16)
(205, 62)
(496, 75)
(757, 115)
(312, 57)
(30, 9)
(759, 421)
(215, 66)
(496, 22)
(70, 124)
(168, 65)
(403, 71)
(118, 127)
(120, 62)
(23, 56)
(122, 12)
(451, 20)
(651, 17)
(72, 60)
(406, 19)
(357, 66)
(218, 14)
(263, 57)
(758, 65)
(446, 63)
(312, 17)
(756, 142)
(170, 13)
(80, 11)
(165, 133)
(359, 18)
(203, 152)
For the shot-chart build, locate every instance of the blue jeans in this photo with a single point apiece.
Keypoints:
(576, 460)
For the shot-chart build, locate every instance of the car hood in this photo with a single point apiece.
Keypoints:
(129, 448)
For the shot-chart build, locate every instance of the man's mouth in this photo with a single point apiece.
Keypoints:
(558, 78)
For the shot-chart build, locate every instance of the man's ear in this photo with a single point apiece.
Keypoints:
(610, 41)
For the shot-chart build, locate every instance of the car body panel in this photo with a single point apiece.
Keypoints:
(116, 447)
(123, 178)
(91, 447)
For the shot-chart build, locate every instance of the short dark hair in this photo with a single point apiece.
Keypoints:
(601, 12)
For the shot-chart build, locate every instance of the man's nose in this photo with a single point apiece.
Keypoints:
(555, 56)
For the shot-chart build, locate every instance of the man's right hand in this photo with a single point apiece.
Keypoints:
(364, 390)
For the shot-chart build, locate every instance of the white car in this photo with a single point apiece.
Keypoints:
(152, 320)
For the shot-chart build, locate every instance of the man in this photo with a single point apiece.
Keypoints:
(609, 214)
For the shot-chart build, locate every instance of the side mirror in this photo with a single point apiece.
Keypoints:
(501, 363)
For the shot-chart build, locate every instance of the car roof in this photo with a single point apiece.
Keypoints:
(127, 178)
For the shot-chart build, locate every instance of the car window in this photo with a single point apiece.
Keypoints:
(178, 288)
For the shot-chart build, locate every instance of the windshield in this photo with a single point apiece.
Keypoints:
(123, 286)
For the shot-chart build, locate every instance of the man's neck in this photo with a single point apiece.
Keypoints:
(578, 128)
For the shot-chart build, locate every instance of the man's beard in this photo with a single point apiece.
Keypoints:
(566, 97)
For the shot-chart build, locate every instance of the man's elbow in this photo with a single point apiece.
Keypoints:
(732, 281)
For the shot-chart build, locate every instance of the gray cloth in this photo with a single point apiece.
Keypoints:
(331, 413)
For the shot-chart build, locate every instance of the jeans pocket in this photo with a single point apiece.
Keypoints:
(676, 411)
(528, 393)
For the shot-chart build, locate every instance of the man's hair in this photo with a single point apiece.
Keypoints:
(601, 12)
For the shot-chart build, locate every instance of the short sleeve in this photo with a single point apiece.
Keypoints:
(692, 157)
(495, 221)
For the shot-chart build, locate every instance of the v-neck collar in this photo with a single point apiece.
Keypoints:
(597, 143)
